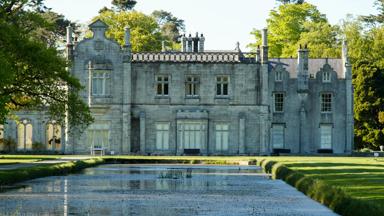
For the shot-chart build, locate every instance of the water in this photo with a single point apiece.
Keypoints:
(123, 189)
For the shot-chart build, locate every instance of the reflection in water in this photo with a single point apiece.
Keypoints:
(122, 189)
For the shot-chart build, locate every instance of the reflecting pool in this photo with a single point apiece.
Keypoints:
(129, 189)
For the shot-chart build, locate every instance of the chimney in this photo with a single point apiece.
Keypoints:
(302, 68)
(183, 43)
(69, 42)
(127, 37)
(201, 43)
(264, 47)
(189, 43)
(258, 54)
(347, 66)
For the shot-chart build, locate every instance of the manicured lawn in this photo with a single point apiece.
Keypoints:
(16, 161)
(361, 178)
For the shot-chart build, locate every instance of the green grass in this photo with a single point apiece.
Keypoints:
(348, 185)
(17, 161)
(8, 177)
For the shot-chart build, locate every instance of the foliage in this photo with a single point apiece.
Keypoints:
(379, 18)
(33, 73)
(293, 24)
(145, 32)
(38, 146)
(291, 1)
(9, 145)
(171, 27)
(124, 5)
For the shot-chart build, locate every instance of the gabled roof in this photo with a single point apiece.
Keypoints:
(98, 24)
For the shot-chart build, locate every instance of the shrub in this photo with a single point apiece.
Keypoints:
(9, 145)
(38, 146)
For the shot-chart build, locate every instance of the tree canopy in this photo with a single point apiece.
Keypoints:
(171, 27)
(290, 25)
(33, 73)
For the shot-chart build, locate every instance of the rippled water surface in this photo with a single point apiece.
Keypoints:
(122, 189)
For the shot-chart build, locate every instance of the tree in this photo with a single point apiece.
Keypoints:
(145, 32)
(286, 26)
(291, 1)
(379, 18)
(171, 26)
(124, 5)
(33, 74)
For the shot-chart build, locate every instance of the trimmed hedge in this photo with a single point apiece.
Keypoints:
(8, 177)
(331, 196)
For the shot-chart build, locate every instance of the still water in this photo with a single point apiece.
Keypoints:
(127, 189)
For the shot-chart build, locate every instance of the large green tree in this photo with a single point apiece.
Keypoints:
(33, 73)
(145, 31)
(171, 27)
(290, 25)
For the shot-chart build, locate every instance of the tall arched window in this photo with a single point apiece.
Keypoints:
(53, 136)
(24, 135)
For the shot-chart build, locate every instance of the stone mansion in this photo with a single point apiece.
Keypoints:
(195, 101)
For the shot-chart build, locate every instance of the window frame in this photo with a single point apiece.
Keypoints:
(326, 77)
(278, 76)
(162, 85)
(161, 132)
(326, 104)
(276, 126)
(323, 144)
(101, 77)
(222, 129)
(192, 86)
(222, 85)
(281, 103)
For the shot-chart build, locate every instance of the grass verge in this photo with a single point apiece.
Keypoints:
(8, 177)
(336, 196)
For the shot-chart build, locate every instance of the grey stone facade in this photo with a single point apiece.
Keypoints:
(208, 103)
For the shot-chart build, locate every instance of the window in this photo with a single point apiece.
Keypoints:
(191, 135)
(326, 102)
(279, 102)
(278, 136)
(162, 84)
(326, 76)
(162, 136)
(192, 86)
(222, 85)
(98, 138)
(222, 136)
(278, 76)
(326, 136)
(101, 82)
(53, 136)
(24, 135)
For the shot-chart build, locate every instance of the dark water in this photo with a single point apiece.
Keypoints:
(122, 189)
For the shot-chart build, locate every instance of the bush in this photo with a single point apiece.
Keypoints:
(9, 145)
(38, 146)
(366, 150)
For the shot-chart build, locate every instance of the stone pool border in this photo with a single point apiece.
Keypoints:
(328, 195)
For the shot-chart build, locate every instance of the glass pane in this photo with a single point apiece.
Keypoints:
(225, 89)
(158, 140)
(218, 89)
(166, 89)
(225, 140)
(20, 136)
(218, 140)
(28, 136)
(166, 140)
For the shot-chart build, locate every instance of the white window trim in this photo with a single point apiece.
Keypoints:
(275, 126)
(321, 102)
(163, 134)
(105, 77)
(162, 82)
(195, 85)
(327, 77)
(278, 76)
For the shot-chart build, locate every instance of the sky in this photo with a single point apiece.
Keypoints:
(223, 22)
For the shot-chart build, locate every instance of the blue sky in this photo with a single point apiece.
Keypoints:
(223, 22)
